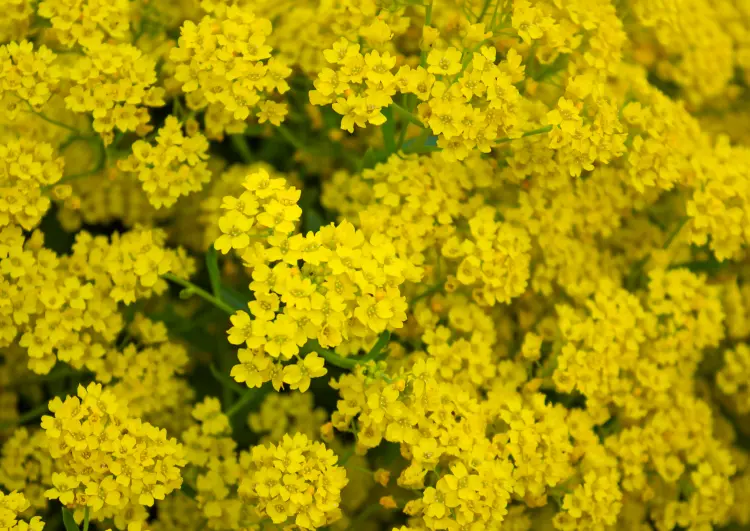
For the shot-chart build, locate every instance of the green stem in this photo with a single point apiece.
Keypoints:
(346, 455)
(245, 399)
(426, 293)
(50, 377)
(681, 223)
(482, 13)
(427, 22)
(333, 358)
(86, 517)
(409, 116)
(100, 164)
(540, 131)
(192, 288)
(239, 142)
(289, 137)
(26, 417)
(359, 469)
(227, 381)
(55, 122)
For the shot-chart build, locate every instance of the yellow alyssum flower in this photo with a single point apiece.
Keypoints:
(106, 459)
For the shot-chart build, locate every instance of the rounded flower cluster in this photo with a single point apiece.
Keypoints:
(173, 166)
(345, 293)
(225, 64)
(27, 170)
(115, 83)
(11, 507)
(15, 24)
(26, 465)
(295, 482)
(29, 75)
(88, 22)
(107, 459)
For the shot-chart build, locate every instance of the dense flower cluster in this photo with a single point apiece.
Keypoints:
(225, 66)
(12, 505)
(410, 266)
(172, 167)
(107, 459)
(346, 292)
(27, 169)
(295, 481)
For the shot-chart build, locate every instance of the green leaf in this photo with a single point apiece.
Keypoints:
(389, 131)
(187, 490)
(313, 219)
(69, 521)
(227, 381)
(212, 264)
(234, 298)
(371, 157)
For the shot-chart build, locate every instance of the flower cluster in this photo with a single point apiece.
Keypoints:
(88, 22)
(345, 293)
(106, 458)
(145, 373)
(15, 24)
(173, 166)
(27, 170)
(403, 265)
(295, 482)
(115, 83)
(26, 465)
(288, 413)
(11, 507)
(29, 75)
(224, 64)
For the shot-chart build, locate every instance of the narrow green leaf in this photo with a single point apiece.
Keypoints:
(389, 131)
(371, 157)
(69, 521)
(227, 381)
(234, 298)
(212, 264)
(187, 490)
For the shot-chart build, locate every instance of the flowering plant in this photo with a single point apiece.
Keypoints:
(381, 264)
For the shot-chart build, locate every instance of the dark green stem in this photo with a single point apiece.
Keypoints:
(192, 288)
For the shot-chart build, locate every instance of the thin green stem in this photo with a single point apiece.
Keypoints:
(681, 223)
(192, 288)
(409, 116)
(101, 162)
(359, 469)
(227, 381)
(239, 142)
(346, 455)
(333, 358)
(86, 517)
(55, 122)
(426, 293)
(51, 377)
(289, 137)
(427, 22)
(26, 417)
(482, 13)
(540, 131)
(245, 399)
